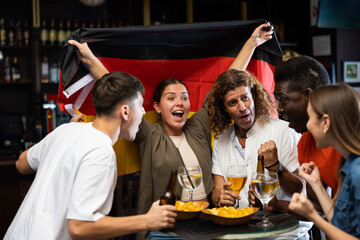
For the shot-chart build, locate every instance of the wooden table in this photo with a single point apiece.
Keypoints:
(203, 228)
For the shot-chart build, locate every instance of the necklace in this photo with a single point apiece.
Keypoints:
(239, 133)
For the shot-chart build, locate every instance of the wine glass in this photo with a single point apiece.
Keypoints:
(190, 178)
(237, 175)
(265, 186)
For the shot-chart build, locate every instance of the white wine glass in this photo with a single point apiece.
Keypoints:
(265, 187)
(190, 178)
(237, 176)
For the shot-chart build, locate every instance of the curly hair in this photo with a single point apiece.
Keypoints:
(219, 119)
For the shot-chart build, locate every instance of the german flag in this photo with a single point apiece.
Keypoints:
(195, 53)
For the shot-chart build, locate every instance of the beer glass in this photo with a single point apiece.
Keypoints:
(237, 175)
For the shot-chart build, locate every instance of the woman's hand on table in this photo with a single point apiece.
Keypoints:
(227, 196)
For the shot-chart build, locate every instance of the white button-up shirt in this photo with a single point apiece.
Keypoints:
(228, 151)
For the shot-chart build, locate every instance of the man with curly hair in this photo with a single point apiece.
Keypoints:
(240, 115)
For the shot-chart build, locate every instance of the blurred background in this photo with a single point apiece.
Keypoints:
(32, 33)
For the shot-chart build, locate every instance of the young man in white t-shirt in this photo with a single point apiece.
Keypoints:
(76, 172)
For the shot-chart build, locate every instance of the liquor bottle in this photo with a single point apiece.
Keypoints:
(52, 33)
(44, 33)
(68, 29)
(7, 70)
(83, 24)
(98, 23)
(2, 32)
(260, 164)
(76, 24)
(169, 196)
(18, 34)
(60, 34)
(45, 70)
(15, 71)
(10, 34)
(26, 33)
(54, 72)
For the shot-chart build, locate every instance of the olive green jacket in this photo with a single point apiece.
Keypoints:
(159, 156)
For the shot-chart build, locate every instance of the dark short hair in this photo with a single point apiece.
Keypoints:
(114, 88)
(302, 72)
(162, 85)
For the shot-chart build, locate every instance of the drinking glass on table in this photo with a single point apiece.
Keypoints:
(190, 178)
(237, 175)
(265, 187)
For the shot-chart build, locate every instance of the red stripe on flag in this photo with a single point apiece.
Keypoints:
(198, 74)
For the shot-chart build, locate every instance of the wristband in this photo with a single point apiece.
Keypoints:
(273, 164)
(280, 171)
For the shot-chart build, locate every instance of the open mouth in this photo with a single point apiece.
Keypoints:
(245, 116)
(178, 114)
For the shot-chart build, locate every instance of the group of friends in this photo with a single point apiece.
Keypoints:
(316, 149)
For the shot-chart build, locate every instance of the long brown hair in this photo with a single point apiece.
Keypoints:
(219, 119)
(342, 104)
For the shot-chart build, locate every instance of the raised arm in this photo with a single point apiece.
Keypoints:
(257, 38)
(95, 66)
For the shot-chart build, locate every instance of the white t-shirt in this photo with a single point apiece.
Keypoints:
(75, 179)
(228, 151)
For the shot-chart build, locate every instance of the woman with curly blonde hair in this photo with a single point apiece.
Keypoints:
(240, 116)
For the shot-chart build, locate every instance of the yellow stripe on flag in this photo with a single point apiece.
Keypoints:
(127, 154)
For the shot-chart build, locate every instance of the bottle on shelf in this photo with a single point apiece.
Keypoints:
(7, 70)
(45, 70)
(169, 196)
(98, 23)
(2, 32)
(44, 34)
(61, 34)
(76, 25)
(54, 73)
(10, 34)
(68, 29)
(91, 24)
(260, 164)
(26, 33)
(52, 33)
(18, 34)
(83, 24)
(15, 71)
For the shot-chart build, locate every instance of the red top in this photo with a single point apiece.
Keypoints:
(326, 159)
